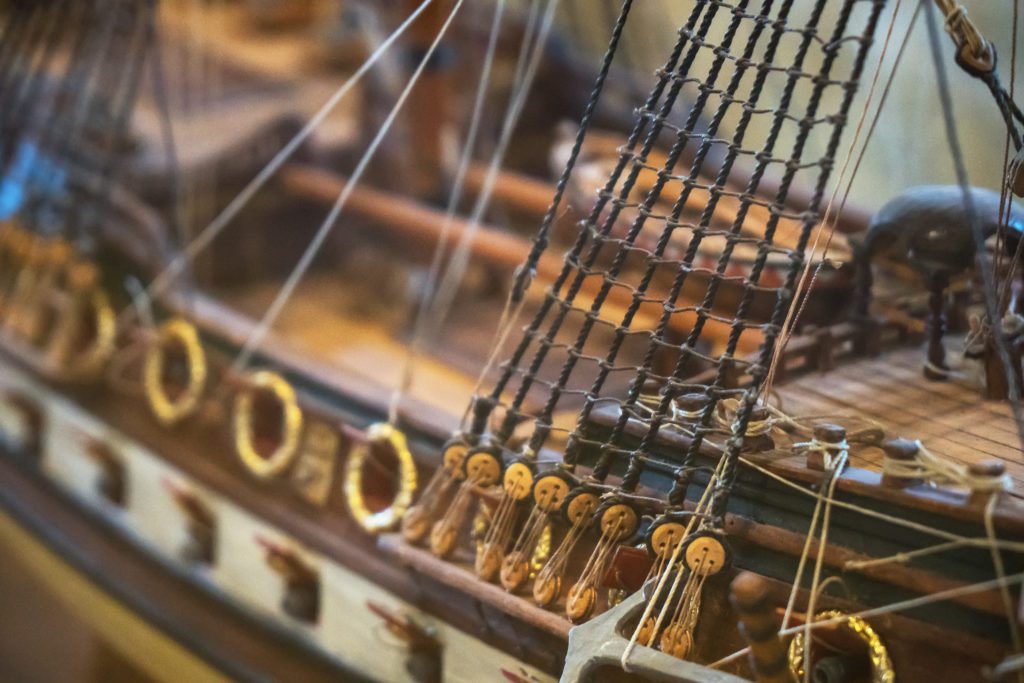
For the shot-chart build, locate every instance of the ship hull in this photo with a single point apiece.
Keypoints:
(131, 551)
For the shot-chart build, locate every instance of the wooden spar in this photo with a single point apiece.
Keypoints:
(419, 225)
(514, 190)
(412, 220)
(429, 109)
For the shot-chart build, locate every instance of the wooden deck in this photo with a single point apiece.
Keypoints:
(950, 418)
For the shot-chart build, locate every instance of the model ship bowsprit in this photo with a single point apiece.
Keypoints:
(710, 453)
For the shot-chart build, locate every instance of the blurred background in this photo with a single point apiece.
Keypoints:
(238, 78)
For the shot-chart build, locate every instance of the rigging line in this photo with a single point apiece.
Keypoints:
(12, 27)
(1005, 205)
(609, 16)
(997, 563)
(987, 278)
(749, 396)
(460, 259)
(652, 261)
(779, 112)
(901, 606)
(175, 267)
(126, 94)
(454, 198)
(517, 294)
(820, 554)
(162, 98)
(640, 131)
(190, 84)
(36, 89)
(1019, 251)
(24, 46)
(664, 575)
(903, 557)
(533, 19)
(21, 25)
(258, 334)
(219, 84)
(608, 222)
(812, 531)
(830, 217)
(120, 100)
(898, 521)
(449, 285)
(86, 67)
(28, 84)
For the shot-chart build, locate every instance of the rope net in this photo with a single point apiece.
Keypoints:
(683, 269)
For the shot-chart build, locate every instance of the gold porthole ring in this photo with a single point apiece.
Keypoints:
(380, 433)
(291, 427)
(85, 363)
(171, 410)
(881, 664)
(92, 360)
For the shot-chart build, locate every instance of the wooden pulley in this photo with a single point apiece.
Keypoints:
(453, 457)
(480, 469)
(173, 404)
(547, 491)
(706, 553)
(550, 490)
(482, 466)
(578, 509)
(379, 435)
(580, 505)
(665, 534)
(547, 589)
(581, 602)
(516, 483)
(517, 570)
(274, 387)
(517, 480)
(618, 521)
(418, 518)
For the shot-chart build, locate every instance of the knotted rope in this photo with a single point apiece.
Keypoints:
(939, 470)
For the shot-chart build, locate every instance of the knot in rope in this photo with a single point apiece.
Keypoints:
(833, 452)
(977, 336)
(760, 427)
(729, 407)
(938, 470)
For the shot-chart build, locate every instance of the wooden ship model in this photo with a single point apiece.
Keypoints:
(677, 413)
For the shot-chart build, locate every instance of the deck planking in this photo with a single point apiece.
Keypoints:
(949, 417)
